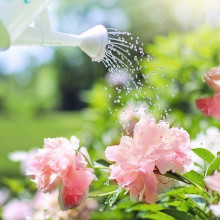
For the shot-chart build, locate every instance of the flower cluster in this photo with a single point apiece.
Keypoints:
(140, 163)
(153, 147)
(61, 164)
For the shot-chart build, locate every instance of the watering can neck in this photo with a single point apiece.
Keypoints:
(36, 37)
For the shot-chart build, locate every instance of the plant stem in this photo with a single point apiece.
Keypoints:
(100, 167)
(102, 194)
(181, 178)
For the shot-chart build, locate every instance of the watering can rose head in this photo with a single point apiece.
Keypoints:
(210, 106)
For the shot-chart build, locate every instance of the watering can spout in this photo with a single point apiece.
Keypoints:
(93, 42)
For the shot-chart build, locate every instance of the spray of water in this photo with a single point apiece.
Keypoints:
(124, 59)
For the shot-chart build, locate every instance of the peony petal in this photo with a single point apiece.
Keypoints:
(74, 141)
(216, 209)
(210, 106)
(121, 152)
(212, 78)
(151, 189)
(213, 182)
(74, 188)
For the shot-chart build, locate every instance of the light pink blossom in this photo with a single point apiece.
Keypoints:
(118, 78)
(4, 195)
(154, 146)
(17, 210)
(46, 207)
(24, 157)
(215, 209)
(210, 106)
(131, 114)
(59, 164)
(213, 182)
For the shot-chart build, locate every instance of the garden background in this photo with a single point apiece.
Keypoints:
(50, 92)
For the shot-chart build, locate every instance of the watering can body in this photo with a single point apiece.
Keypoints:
(16, 16)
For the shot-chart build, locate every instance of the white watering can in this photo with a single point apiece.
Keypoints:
(17, 15)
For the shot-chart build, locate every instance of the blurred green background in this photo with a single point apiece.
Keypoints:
(50, 92)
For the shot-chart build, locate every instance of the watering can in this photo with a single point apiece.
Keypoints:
(17, 15)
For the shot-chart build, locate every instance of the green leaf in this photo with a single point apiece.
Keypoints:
(190, 206)
(177, 191)
(204, 154)
(103, 162)
(154, 216)
(178, 214)
(124, 204)
(175, 203)
(15, 185)
(213, 166)
(172, 175)
(195, 178)
(200, 213)
(185, 205)
(145, 207)
(112, 199)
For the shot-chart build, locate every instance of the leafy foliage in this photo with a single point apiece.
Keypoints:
(182, 58)
(213, 166)
(204, 154)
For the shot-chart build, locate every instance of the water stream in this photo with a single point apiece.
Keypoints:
(126, 61)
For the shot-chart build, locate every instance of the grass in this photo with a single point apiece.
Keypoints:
(21, 133)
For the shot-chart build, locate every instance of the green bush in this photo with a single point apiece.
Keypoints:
(176, 74)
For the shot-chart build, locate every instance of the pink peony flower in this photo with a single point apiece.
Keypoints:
(210, 106)
(154, 146)
(17, 210)
(59, 164)
(213, 182)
